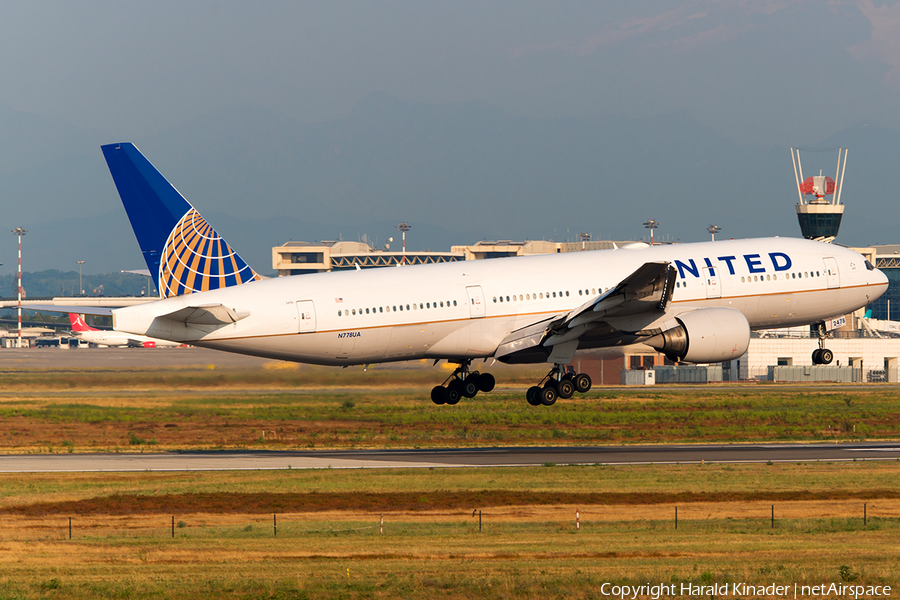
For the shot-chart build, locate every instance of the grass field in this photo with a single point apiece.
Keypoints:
(328, 542)
(122, 544)
(108, 410)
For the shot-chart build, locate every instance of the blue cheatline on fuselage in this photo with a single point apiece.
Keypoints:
(181, 249)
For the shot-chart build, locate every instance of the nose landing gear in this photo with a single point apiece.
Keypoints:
(822, 356)
(462, 383)
(560, 382)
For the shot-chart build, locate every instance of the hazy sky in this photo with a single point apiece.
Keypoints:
(781, 72)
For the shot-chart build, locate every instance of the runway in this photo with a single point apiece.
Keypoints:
(469, 457)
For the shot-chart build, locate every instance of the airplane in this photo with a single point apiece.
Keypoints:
(693, 302)
(113, 338)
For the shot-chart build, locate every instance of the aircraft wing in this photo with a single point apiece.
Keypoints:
(102, 311)
(648, 288)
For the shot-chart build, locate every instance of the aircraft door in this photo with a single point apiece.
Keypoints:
(831, 273)
(476, 301)
(306, 313)
(711, 277)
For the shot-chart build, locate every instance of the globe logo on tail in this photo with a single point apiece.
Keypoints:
(196, 259)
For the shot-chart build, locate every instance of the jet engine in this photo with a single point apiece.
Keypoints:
(706, 335)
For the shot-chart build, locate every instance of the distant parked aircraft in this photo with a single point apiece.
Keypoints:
(87, 333)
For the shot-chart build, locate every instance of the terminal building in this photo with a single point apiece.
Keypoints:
(300, 258)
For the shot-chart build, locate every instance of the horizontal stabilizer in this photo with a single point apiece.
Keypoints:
(206, 314)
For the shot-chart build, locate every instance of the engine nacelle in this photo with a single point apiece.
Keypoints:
(705, 335)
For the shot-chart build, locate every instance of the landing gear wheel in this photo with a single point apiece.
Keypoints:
(485, 382)
(469, 386)
(826, 356)
(565, 388)
(452, 393)
(582, 383)
(533, 395)
(437, 394)
(548, 395)
(817, 356)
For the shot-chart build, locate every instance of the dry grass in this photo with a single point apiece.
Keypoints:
(528, 546)
(328, 544)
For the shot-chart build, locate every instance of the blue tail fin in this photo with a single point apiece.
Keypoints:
(182, 251)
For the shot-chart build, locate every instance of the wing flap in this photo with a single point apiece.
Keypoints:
(524, 339)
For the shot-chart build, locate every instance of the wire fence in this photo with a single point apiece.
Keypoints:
(682, 517)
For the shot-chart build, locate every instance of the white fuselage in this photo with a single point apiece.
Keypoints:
(465, 309)
(117, 338)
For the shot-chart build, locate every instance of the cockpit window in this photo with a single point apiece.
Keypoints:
(869, 266)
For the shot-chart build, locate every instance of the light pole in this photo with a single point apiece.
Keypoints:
(80, 284)
(585, 237)
(713, 230)
(651, 225)
(404, 227)
(20, 232)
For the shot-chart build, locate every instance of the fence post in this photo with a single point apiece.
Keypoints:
(577, 520)
(773, 516)
(70, 528)
(173, 527)
(864, 514)
(381, 527)
(676, 517)
(274, 525)
(479, 521)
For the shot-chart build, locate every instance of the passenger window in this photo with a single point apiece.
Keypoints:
(380, 309)
(407, 307)
(339, 313)
(354, 311)
(567, 293)
(454, 303)
(442, 303)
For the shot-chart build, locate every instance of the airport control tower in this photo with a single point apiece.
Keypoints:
(820, 217)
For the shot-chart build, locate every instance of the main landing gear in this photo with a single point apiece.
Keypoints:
(822, 356)
(462, 383)
(560, 382)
